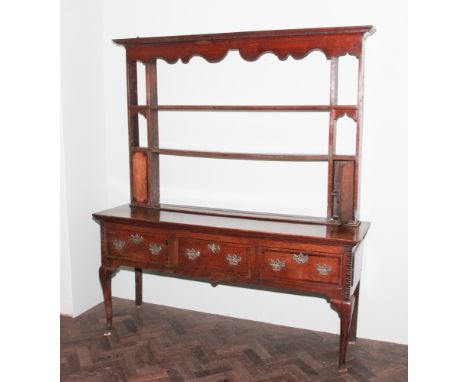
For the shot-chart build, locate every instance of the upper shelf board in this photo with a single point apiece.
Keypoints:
(298, 43)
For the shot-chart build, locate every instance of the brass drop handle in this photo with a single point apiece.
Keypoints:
(136, 238)
(233, 259)
(118, 245)
(213, 247)
(192, 253)
(154, 248)
(323, 269)
(300, 258)
(277, 264)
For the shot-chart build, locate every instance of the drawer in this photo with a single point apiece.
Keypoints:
(205, 256)
(299, 266)
(137, 245)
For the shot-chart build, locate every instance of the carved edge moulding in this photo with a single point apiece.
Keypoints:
(298, 43)
(343, 170)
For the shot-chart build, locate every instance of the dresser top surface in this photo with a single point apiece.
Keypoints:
(238, 225)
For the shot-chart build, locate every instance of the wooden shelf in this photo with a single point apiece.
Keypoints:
(248, 156)
(316, 108)
(247, 214)
(343, 170)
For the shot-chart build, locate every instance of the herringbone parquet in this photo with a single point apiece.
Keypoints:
(158, 343)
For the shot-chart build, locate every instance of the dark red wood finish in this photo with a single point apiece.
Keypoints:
(284, 256)
(333, 42)
(302, 254)
(342, 197)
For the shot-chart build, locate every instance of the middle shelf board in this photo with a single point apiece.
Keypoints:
(342, 108)
(249, 156)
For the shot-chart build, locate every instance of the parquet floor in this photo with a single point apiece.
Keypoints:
(158, 343)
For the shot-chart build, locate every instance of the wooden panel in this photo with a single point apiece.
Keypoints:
(206, 256)
(343, 194)
(140, 176)
(137, 245)
(300, 266)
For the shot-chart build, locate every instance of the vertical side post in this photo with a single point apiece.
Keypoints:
(331, 132)
(357, 163)
(153, 132)
(132, 99)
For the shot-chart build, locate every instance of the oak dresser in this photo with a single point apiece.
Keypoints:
(285, 253)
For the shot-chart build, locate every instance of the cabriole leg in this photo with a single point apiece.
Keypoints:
(138, 287)
(105, 276)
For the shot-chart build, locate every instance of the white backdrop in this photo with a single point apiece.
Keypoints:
(98, 85)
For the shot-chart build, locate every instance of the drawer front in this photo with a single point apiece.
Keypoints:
(137, 246)
(206, 255)
(300, 266)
